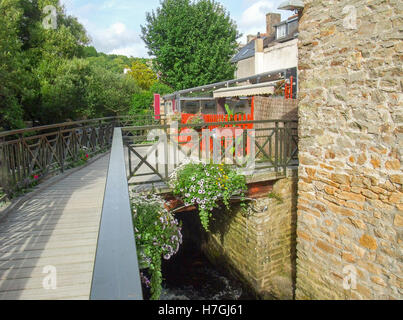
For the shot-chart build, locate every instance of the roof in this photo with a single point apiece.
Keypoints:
(248, 90)
(246, 52)
(261, 77)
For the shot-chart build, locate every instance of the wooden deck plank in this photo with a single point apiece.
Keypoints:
(37, 271)
(58, 227)
(72, 291)
(63, 279)
(63, 235)
(49, 253)
(50, 245)
(5, 238)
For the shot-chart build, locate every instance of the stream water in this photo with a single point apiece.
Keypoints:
(188, 275)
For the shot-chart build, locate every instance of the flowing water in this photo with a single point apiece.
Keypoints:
(188, 275)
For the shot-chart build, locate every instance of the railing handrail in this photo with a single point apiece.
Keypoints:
(116, 270)
(273, 143)
(68, 124)
(53, 126)
(207, 124)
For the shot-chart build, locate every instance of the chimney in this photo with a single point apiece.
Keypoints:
(271, 20)
(259, 44)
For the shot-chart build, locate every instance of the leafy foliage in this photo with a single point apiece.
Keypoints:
(143, 75)
(111, 62)
(109, 93)
(142, 101)
(206, 186)
(192, 42)
(157, 233)
(49, 75)
(161, 88)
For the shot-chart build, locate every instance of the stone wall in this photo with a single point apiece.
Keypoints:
(350, 200)
(259, 248)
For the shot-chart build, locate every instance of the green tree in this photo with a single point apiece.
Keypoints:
(161, 88)
(63, 86)
(109, 93)
(11, 112)
(30, 56)
(142, 101)
(192, 42)
(143, 75)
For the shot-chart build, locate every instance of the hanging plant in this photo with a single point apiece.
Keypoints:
(158, 235)
(206, 186)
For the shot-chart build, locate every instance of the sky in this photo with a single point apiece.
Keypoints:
(114, 25)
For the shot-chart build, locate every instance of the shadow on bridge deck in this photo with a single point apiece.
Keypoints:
(56, 230)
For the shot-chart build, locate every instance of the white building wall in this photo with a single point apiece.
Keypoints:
(259, 62)
(245, 68)
(280, 56)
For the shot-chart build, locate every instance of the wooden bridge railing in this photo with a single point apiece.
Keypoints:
(29, 155)
(273, 145)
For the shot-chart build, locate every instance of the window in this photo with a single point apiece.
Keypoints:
(281, 31)
(292, 27)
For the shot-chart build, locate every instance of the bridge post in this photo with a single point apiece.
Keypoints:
(4, 168)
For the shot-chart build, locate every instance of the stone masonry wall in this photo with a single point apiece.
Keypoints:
(350, 200)
(259, 248)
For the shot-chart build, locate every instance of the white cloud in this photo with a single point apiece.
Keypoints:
(118, 39)
(253, 19)
(135, 50)
(255, 15)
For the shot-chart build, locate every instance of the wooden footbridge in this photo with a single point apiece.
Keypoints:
(72, 237)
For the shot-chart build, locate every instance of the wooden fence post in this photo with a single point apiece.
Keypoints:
(4, 172)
